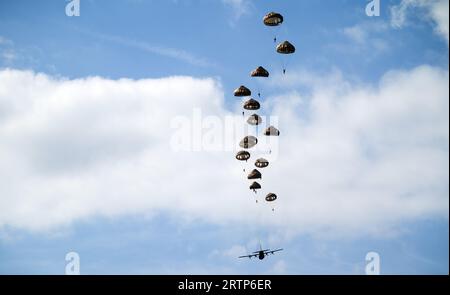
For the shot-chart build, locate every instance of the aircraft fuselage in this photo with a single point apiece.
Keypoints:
(261, 255)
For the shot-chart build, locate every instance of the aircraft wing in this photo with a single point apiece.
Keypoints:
(272, 251)
(249, 256)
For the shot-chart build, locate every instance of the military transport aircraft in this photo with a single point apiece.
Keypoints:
(261, 254)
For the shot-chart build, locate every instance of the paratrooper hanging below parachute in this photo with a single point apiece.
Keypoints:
(254, 186)
(271, 197)
(285, 48)
(273, 19)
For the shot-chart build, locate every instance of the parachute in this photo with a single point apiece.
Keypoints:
(259, 72)
(242, 91)
(254, 186)
(285, 48)
(261, 163)
(251, 104)
(273, 19)
(254, 119)
(272, 131)
(243, 156)
(271, 197)
(255, 174)
(248, 142)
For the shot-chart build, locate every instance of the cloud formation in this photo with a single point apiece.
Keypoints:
(435, 10)
(353, 158)
(239, 7)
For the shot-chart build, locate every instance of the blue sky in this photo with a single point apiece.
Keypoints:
(341, 53)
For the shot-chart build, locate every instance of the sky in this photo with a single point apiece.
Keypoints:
(118, 131)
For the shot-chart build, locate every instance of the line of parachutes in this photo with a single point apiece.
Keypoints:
(271, 19)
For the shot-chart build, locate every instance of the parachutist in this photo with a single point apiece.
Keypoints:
(284, 71)
(275, 40)
(259, 95)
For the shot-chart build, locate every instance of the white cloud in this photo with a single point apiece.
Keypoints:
(5, 41)
(360, 159)
(8, 55)
(279, 267)
(7, 52)
(240, 7)
(365, 37)
(435, 10)
(357, 33)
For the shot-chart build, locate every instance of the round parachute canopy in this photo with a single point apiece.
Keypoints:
(248, 142)
(251, 104)
(273, 19)
(271, 197)
(255, 186)
(255, 174)
(261, 163)
(243, 156)
(242, 91)
(254, 119)
(260, 72)
(285, 48)
(272, 131)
